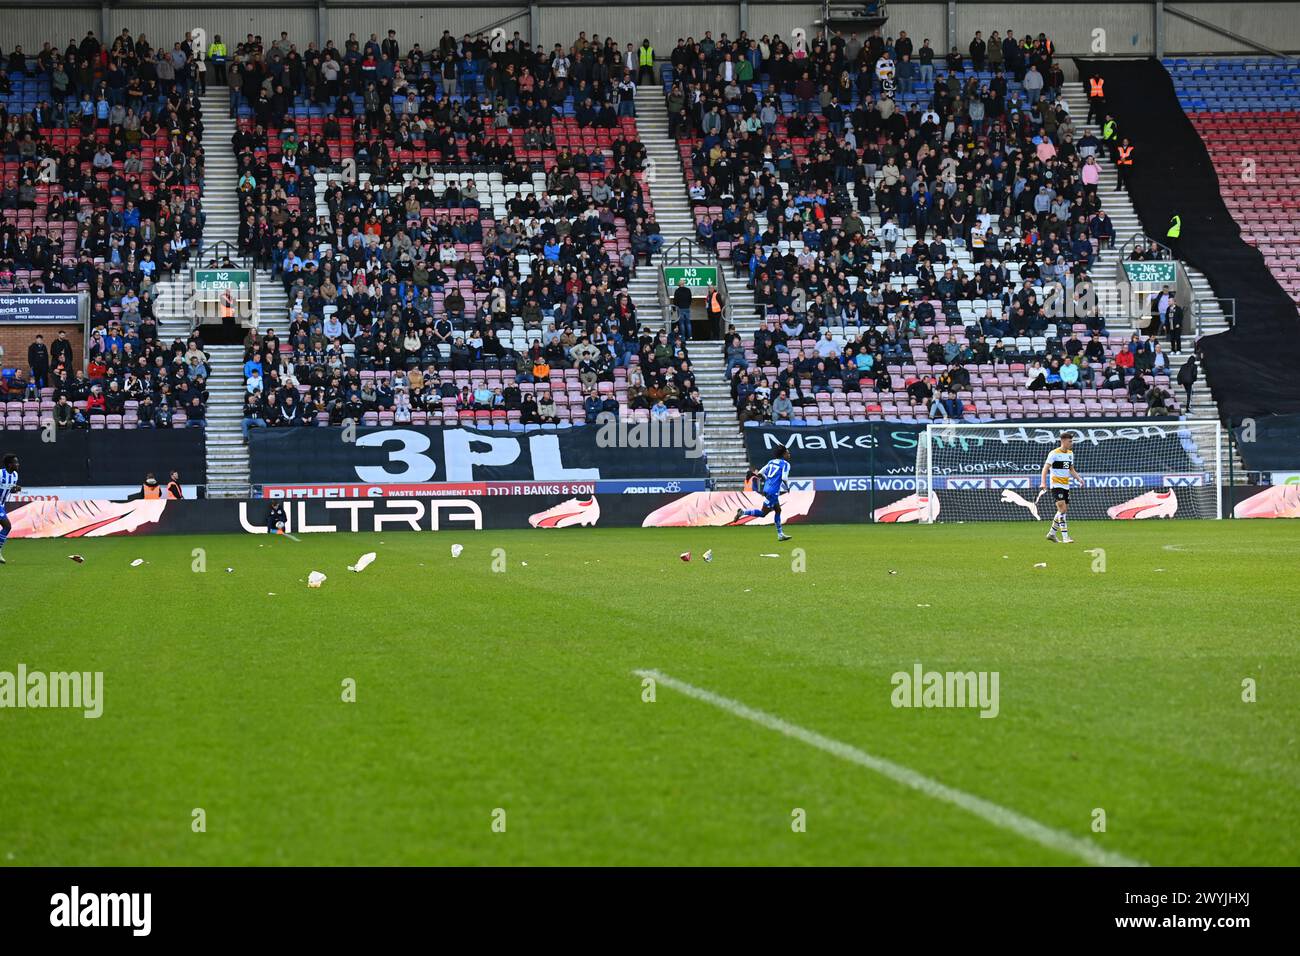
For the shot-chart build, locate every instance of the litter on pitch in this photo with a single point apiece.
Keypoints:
(76, 557)
(315, 579)
(456, 549)
(685, 556)
(769, 556)
(1041, 564)
(137, 562)
(363, 562)
(708, 555)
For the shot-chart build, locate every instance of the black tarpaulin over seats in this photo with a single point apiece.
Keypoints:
(1254, 369)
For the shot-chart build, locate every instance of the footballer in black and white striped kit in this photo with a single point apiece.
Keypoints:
(1057, 472)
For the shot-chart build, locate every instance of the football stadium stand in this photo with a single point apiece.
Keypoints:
(900, 224)
(103, 176)
(1247, 111)
(466, 233)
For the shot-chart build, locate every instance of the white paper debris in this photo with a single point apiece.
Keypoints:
(456, 549)
(923, 605)
(315, 579)
(1041, 564)
(363, 562)
(137, 562)
(708, 555)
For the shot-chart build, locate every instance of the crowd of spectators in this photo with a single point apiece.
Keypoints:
(465, 216)
(103, 177)
(131, 379)
(897, 211)
(103, 166)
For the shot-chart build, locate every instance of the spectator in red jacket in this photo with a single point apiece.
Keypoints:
(95, 402)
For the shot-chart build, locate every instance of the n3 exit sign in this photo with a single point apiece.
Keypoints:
(697, 277)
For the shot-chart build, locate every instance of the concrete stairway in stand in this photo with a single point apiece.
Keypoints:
(723, 444)
(1128, 224)
(227, 453)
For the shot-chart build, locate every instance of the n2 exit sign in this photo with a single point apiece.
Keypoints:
(219, 280)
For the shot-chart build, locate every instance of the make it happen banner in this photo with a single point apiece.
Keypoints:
(887, 450)
(413, 455)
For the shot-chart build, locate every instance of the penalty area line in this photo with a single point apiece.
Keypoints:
(986, 810)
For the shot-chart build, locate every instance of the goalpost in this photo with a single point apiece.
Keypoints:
(1131, 468)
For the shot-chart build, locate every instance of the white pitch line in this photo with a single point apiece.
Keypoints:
(993, 813)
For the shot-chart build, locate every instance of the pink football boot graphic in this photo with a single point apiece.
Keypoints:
(1279, 501)
(576, 512)
(713, 509)
(84, 519)
(911, 508)
(1150, 504)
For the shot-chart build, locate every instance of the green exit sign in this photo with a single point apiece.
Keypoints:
(1164, 273)
(697, 277)
(219, 280)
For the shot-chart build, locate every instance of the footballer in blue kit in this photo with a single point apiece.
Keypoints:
(775, 482)
(8, 485)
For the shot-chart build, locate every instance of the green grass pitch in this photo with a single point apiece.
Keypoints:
(477, 690)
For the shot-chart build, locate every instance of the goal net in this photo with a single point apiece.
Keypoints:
(1131, 469)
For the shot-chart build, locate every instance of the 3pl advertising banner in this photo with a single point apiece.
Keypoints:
(416, 455)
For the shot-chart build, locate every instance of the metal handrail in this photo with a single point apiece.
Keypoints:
(685, 250)
(1133, 240)
(230, 253)
(1227, 305)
